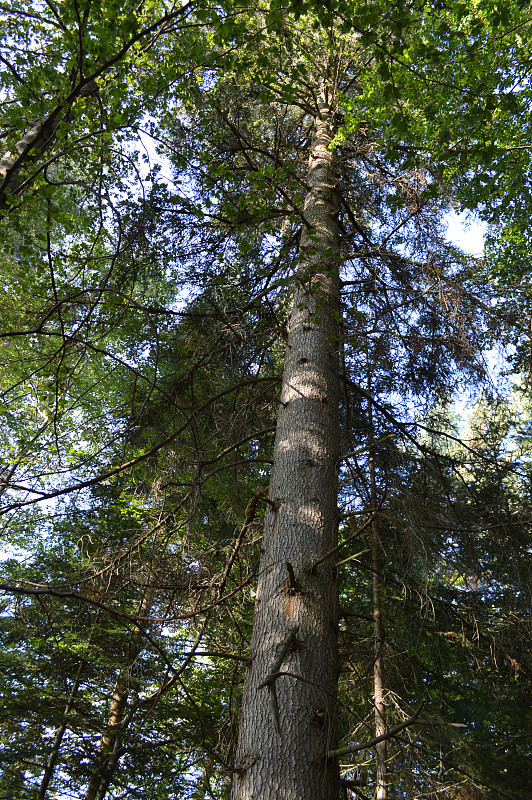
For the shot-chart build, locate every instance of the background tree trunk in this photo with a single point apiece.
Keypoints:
(287, 722)
(106, 759)
(381, 791)
(60, 733)
(379, 692)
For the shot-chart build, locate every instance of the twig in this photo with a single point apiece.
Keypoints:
(353, 557)
(274, 674)
(343, 751)
(291, 584)
(368, 446)
(276, 666)
(358, 531)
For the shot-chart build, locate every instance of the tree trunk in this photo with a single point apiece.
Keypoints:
(287, 721)
(106, 757)
(60, 733)
(381, 790)
(104, 766)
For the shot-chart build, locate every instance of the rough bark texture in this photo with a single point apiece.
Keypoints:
(287, 723)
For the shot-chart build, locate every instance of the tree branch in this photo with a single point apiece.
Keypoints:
(343, 751)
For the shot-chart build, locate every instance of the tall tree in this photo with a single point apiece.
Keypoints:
(314, 148)
(293, 648)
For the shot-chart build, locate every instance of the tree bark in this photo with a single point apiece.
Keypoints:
(104, 766)
(287, 720)
(381, 790)
(106, 758)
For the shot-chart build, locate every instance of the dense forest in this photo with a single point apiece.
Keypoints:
(266, 440)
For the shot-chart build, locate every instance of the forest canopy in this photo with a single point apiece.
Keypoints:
(266, 432)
